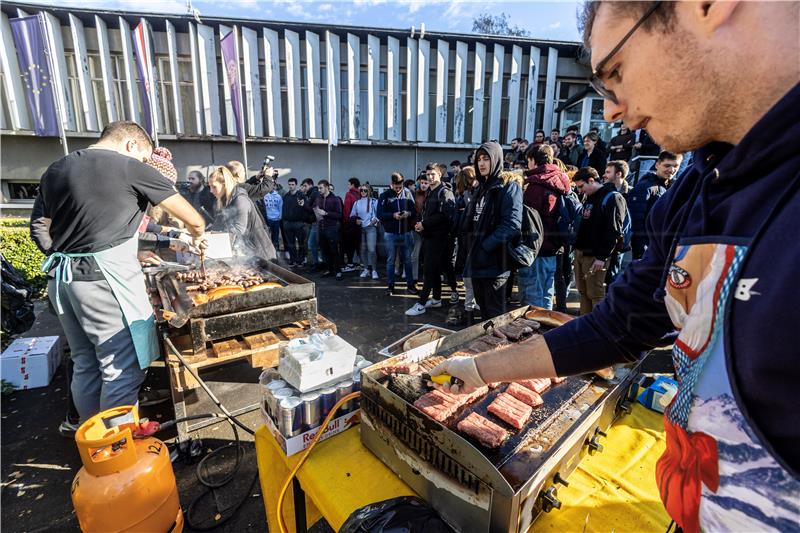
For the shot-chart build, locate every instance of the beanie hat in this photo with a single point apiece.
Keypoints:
(161, 160)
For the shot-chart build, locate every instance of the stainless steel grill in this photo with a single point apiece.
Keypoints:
(479, 489)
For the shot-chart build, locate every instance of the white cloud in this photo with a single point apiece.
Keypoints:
(325, 7)
(554, 25)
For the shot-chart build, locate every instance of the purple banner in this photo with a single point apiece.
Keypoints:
(230, 60)
(30, 41)
(144, 64)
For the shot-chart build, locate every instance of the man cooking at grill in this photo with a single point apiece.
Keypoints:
(95, 199)
(722, 265)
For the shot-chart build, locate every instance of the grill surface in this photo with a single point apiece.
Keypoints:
(473, 487)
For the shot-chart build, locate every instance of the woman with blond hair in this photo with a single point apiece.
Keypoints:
(237, 215)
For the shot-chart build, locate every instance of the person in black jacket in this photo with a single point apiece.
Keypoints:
(599, 235)
(256, 187)
(621, 145)
(398, 214)
(492, 220)
(294, 216)
(435, 225)
(593, 156)
(199, 196)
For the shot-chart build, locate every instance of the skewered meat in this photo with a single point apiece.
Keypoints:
(524, 395)
(510, 410)
(244, 279)
(483, 430)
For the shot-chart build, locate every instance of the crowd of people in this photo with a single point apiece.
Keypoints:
(437, 230)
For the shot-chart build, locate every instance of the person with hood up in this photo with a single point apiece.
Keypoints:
(434, 224)
(238, 215)
(546, 183)
(492, 220)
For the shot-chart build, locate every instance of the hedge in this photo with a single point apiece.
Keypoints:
(20, 250)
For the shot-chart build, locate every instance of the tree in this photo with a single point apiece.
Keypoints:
(497, 25)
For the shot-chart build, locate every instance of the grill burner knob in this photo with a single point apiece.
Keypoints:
(625, 406)
(558, 479)
(549, 500)
(594, 442)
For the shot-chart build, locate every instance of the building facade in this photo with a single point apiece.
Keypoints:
(309, 93)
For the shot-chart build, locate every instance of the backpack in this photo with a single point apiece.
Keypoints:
(627, 226)
(568, 220)
(523, 250)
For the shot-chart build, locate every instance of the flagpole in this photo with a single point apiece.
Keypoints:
(241, 101)
(329, 162)
(151, 81)
(61, 129)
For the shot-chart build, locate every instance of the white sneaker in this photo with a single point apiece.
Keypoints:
(433, 303)
(416, 310)
(404, 274)
(454, 297)
(365, 273)
(375, 274)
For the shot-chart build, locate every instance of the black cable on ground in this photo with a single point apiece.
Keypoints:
(202, 471)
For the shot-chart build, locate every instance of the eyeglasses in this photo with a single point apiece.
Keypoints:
(364, 190)
(596, 80)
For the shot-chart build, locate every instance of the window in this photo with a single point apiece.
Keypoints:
(164, 84)
(20, 192)
(72, 88)
(96, 80)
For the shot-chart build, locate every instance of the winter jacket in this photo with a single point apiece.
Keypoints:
(601, 227)
(365, 210)
(649, 146)
(202, 201)
(350, 198)
(545, 184)
(596, 160)
(642, 198)
(621, 146)
(292, 210)
(273, 205)
(256, 188)
(492, 220)
(332, 205)
(419, 200)
(438, 211)
(308, 205)
(240, 218)
(390, 203)
(571, 156)
(744, 198)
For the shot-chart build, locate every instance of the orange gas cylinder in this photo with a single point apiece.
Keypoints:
(125, 484)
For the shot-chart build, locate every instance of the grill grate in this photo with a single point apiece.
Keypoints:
(422, 445)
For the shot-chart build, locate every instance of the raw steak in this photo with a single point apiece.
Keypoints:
(441, 405)
(500, 334)
(514, 332)
(510, 410)
(484, 431)
(536, 385)
(524, 395)
(480, 346)
(534, 325)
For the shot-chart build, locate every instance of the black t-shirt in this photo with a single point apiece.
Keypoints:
(96, 199)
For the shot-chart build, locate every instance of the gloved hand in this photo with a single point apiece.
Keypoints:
(178, 245)
(463, 368)
(148, 258)
(201, 243)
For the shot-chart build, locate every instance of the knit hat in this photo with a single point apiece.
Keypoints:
(161, 160)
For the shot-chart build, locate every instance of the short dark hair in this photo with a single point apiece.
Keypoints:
(555, 130)
(198, 174)
(355, 182)
(594, 129)
(442, 169)
(619, 166)
(455, 163)
(572, 128)
(571, 134)
(667, 155)
(592, 136)
(119, 130)
(307, 181)
(538, 132)
(662, 18)
(397, 177)
(541, 154)
(586, 173)
(433, 166)
(324, 182)
(292, 180)
(408, 184)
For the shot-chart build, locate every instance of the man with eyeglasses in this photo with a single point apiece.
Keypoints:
(719, 279)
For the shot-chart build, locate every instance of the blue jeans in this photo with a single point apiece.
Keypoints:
(369, 241)
(537, 282)
(313, 246)
(275, 233)
(403, 242)
(614, 268)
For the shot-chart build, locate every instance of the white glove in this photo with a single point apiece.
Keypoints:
(463, 368)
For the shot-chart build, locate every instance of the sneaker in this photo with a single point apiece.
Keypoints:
(153, 396)
(328, 274)
(416, 310)
(433, 303)
(349, 268)
(338, 276)
(67, 429)
(412, 289)
(375, 274)
(454, 297)
(364, 273)
(389, 290)
(404, 275)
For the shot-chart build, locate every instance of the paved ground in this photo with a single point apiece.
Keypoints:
(38, 465)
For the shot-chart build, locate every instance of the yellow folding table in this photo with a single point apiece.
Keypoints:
(613, 490)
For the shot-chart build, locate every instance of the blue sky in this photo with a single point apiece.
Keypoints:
(545, 20)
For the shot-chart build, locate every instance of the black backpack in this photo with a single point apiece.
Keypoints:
(523, 250)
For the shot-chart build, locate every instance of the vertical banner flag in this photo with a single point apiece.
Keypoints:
(230, 59)
(147, 85)
(34, 64)
(333, 108)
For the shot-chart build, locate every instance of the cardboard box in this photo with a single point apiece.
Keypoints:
(30, 362)
(302, 441)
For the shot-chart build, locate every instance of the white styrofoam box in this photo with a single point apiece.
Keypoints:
(319, 360)
(31, 362)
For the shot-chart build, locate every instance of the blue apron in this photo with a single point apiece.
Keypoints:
(122, 271)
(715, 474)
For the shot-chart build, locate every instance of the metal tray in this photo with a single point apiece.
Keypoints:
(396, 347)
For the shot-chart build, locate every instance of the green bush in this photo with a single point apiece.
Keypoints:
(20, 250)
(14, 222)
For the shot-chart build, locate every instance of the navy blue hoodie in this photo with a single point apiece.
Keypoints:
(747, 195)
